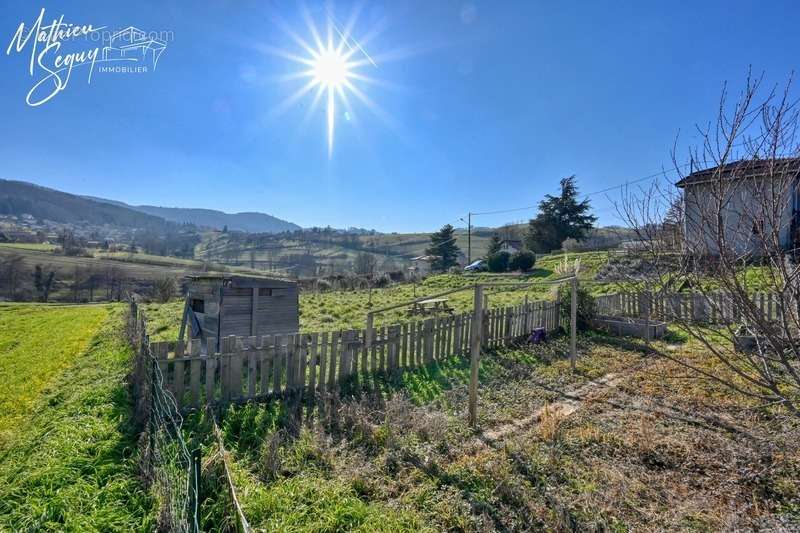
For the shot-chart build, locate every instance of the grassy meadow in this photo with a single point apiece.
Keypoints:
(337, 310)
(68, 456)
(37, 343)
(628, 442)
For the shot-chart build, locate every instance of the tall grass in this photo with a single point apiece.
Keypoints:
(72, 463)
(37, 342)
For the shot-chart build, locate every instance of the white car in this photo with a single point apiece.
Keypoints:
(476, 266)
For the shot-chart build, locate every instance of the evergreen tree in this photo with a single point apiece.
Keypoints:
(560, 217)
(443, 247)
(494, 245)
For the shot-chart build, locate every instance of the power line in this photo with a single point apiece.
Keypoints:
(627, 183)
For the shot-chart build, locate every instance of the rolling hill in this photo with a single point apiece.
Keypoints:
(250, 222)
(210, 218)
(19, 197)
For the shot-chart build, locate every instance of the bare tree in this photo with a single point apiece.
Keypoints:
(92, 280)
(43, 281)
(10, 269)
(740, 210)
(77, 282)
(365, 264)
(165, 289)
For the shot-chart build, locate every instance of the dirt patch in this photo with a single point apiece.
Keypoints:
(562, 408)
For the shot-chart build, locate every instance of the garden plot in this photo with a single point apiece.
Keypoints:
(641, 446)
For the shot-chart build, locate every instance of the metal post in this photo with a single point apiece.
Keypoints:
(573, 324)
(194, 495)
(475, 352)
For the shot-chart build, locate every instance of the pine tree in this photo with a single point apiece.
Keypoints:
(560, 217)
(494, 245)
(443, 247)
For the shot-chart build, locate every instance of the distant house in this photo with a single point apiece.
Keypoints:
(747, 199)
(510, 246)
(421, 266)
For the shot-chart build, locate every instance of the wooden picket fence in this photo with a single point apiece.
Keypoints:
(715, 307)
(316, 364)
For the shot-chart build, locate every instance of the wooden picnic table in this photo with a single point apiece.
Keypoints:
(430, 306)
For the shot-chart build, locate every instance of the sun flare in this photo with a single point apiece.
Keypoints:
(330, 70)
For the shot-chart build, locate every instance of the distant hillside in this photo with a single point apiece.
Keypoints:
(249, 222)
(19, 197)
(210, 218)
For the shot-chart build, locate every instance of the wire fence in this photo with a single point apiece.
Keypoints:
(242, 523)
(166, 465)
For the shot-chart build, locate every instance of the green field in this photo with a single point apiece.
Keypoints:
(337, 310)
(28, 246)
(68, 454)
(649, 449)
(392, 251)
(37, 343)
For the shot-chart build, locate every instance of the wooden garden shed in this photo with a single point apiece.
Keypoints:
(222, 305)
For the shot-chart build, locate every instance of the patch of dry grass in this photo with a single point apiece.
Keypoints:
(653, 449)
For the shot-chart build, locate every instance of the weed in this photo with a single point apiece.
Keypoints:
(551, 424)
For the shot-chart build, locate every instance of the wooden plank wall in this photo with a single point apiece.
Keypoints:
(311, 364)
(716, 307)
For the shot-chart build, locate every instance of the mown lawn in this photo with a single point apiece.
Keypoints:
(71, 463)
(36, 344)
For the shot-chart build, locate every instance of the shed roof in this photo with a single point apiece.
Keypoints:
(240, 280)
(746, 168)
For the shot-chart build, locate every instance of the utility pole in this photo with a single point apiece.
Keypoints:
(469, 238)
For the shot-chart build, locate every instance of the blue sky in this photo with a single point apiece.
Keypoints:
(483, 105)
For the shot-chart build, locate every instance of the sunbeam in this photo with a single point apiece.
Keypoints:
(329, 65)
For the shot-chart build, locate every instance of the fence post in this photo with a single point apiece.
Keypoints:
(475, 351)
(368, 333)
(645, 299)
(573, 323)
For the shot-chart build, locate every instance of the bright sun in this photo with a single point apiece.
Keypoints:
(330, 69)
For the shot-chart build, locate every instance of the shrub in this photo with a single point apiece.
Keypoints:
(498, 262)
(523, 260)
(165, 289)
(382, 281)
(323, 285)
(586, 306)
